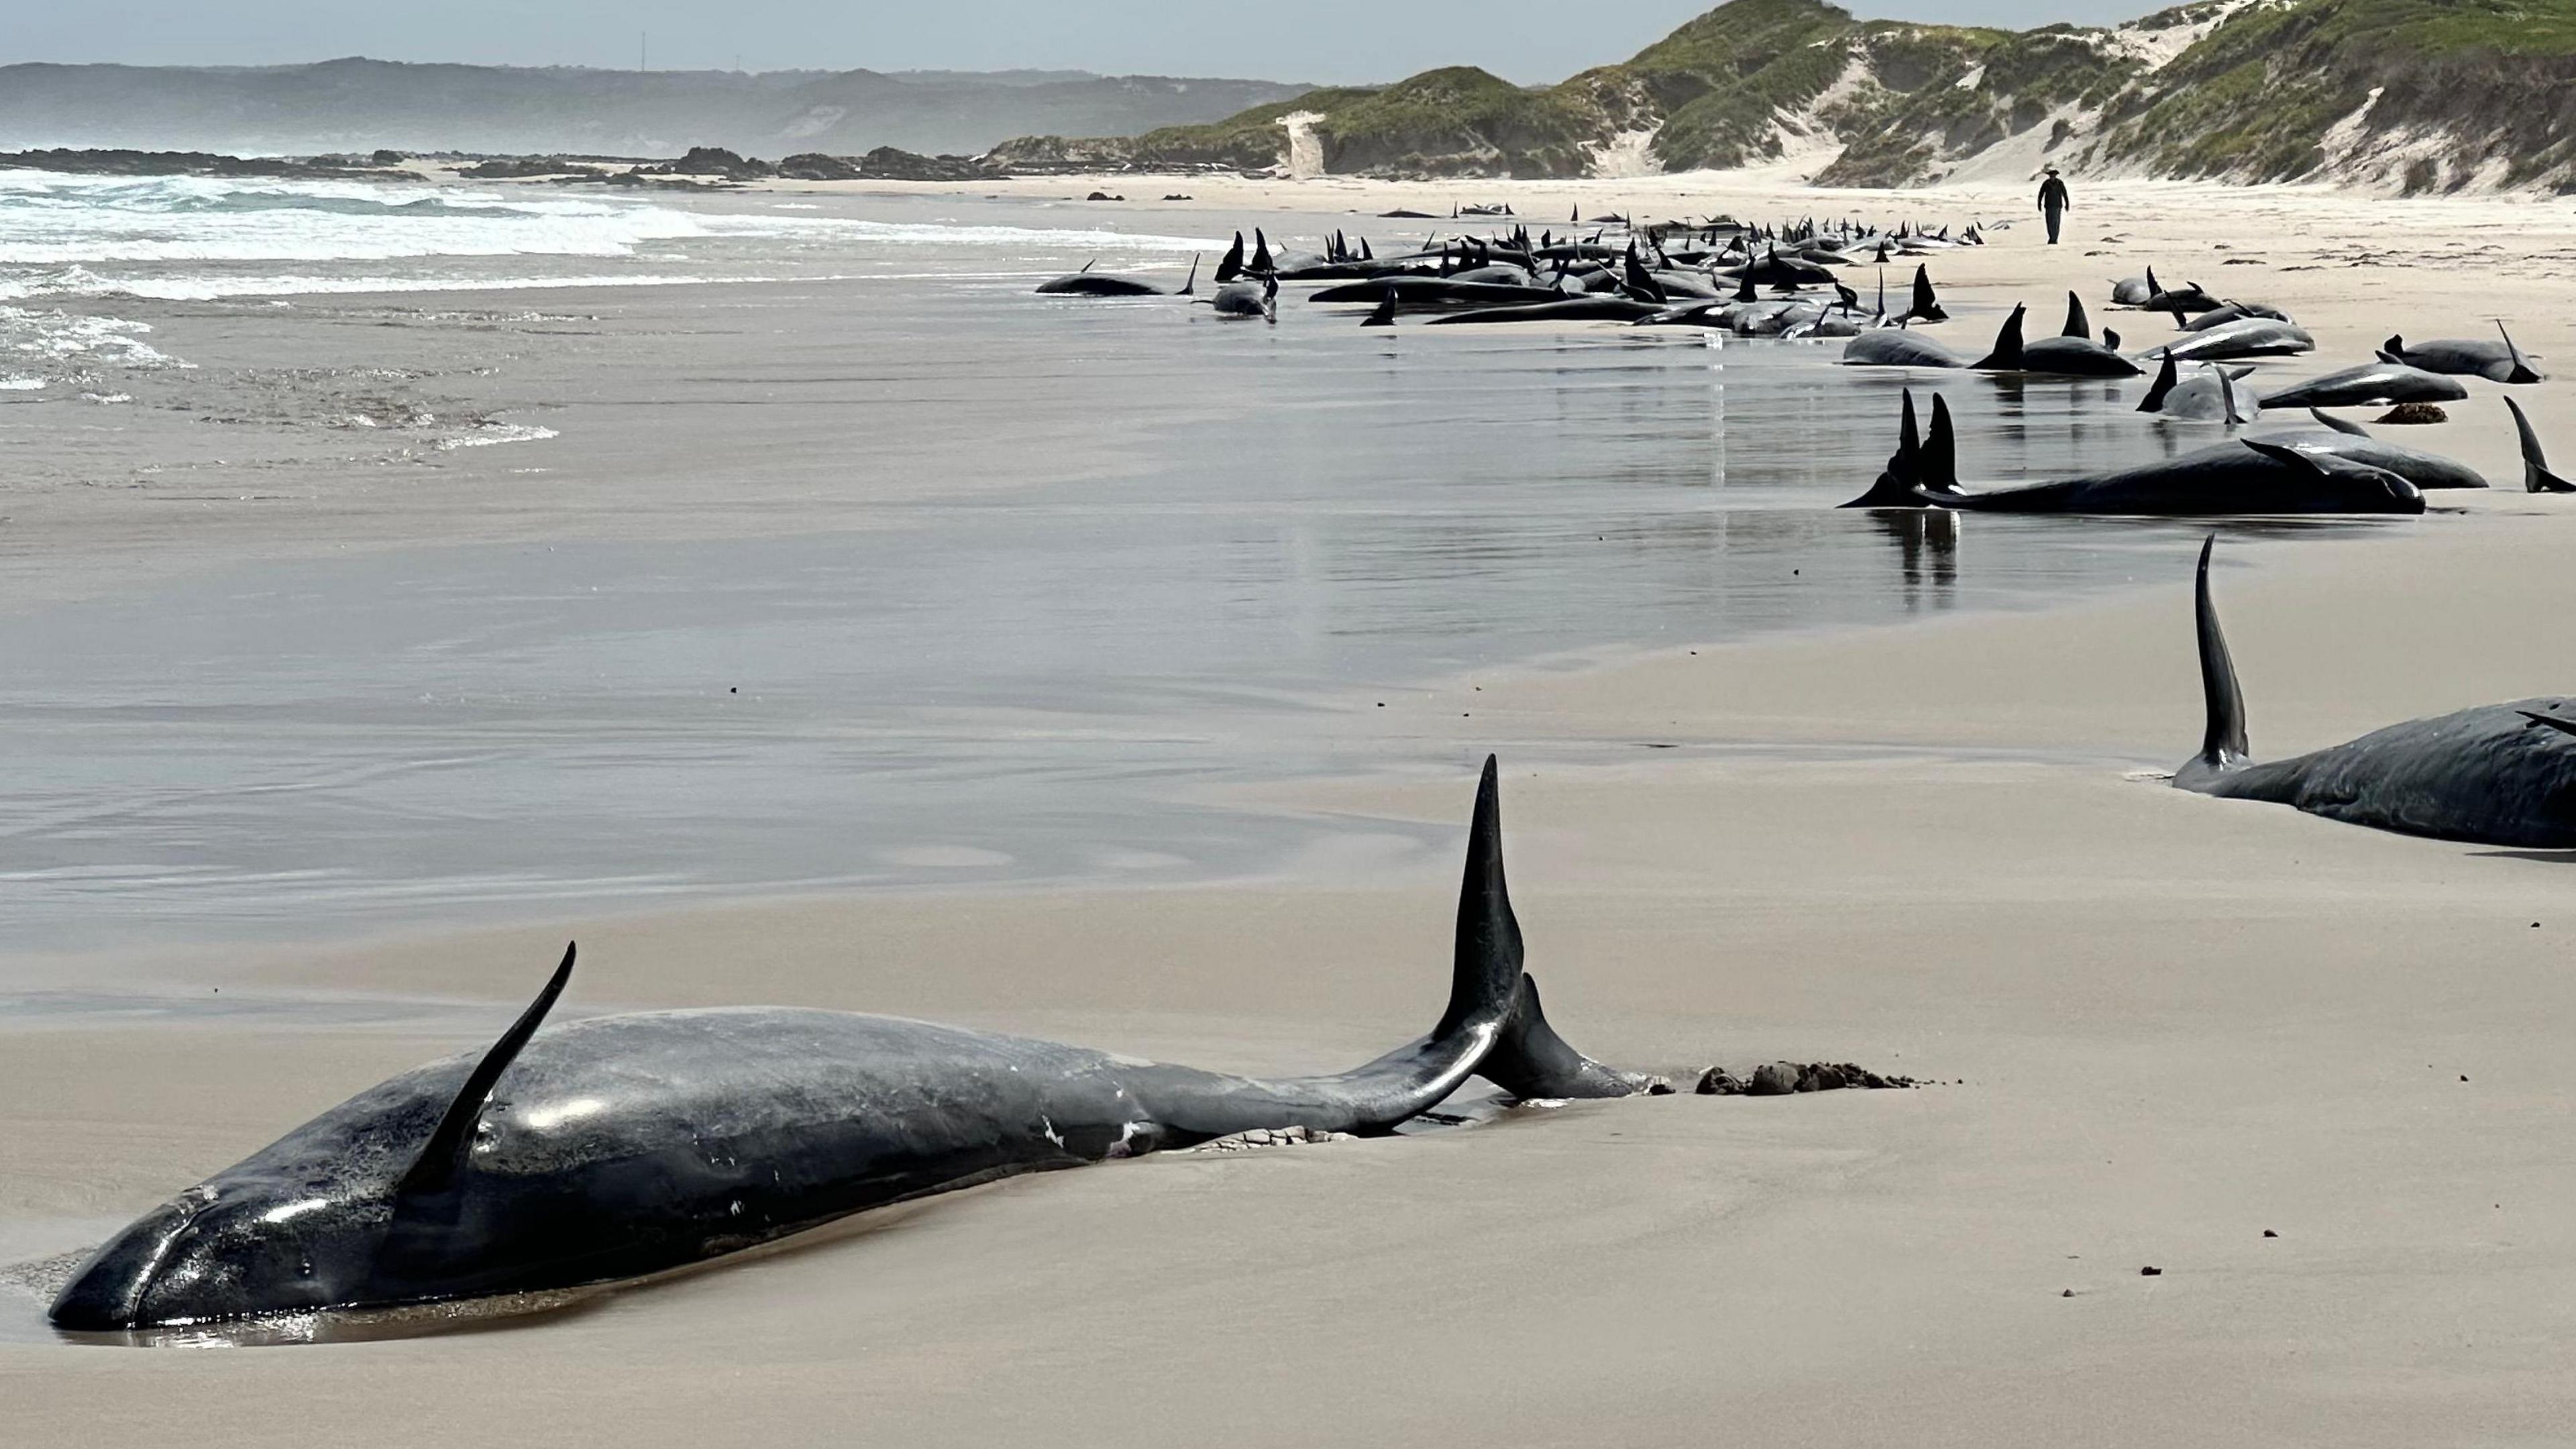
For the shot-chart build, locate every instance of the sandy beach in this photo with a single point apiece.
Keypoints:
(2307, 1072)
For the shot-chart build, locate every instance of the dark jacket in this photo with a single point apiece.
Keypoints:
(2052, 194)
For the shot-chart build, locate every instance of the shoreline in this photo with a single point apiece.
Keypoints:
(2168, 1027)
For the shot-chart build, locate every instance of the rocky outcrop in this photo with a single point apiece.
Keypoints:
(193, 163)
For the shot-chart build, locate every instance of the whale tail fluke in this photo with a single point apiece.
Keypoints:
(2536, 477)
(2222, 743)
(1941, 453)
(1895, 484)
(1485, 962)
(2006, 356)
(2518, 368)
(2166, 377)
(1532, 1062)
(1190, 287)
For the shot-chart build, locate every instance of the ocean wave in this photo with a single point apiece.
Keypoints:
(39, 336)
(491, 433)
(54, 220)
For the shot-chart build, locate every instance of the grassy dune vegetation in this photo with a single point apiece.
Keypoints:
(2493, 82)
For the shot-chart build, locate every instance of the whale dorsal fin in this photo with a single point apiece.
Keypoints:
(1941, 451)
(1191, 286)
(2536, 477)
(2077, 324)
(2166, 376)
(2563, 726)
(2222, 745)
(2006, 356)
(442, 1159)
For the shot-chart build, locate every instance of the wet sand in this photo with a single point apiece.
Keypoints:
(2162, 1025)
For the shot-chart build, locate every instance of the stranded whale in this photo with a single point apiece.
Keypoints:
(2500, 774)
(2249, 476)
(1088, 283)
(620, 1146)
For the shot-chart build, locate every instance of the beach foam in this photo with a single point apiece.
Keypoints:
(200, 238)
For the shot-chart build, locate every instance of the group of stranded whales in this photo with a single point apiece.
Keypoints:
(1783, 282)
(616, 1147)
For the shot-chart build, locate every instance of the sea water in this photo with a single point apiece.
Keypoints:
(1046, 680)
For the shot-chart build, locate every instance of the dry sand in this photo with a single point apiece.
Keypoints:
(2162, 1025)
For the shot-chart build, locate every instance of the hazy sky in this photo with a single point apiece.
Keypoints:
(1316, 40)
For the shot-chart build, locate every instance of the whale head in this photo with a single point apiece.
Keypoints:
(361, 1206)
(224, 1244)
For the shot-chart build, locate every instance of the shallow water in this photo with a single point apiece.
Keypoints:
(1034, 683)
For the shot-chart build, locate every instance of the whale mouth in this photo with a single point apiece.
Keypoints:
(107, 1293)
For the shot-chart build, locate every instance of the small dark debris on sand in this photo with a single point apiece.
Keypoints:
(1103, 196)
(2151, 1272)
(1780, 1079)
(2418, 412)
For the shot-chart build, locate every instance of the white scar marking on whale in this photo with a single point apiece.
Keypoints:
(562, 1112)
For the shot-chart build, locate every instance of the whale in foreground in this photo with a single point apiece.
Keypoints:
(2497, 774)
(619, 1146)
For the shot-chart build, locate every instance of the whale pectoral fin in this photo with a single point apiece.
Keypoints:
(2292, 456)
(442, 1158)
(2563, 726)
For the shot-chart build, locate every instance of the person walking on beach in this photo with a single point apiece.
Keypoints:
(2052, 201)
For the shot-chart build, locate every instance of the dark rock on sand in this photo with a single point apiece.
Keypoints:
(2416, 412)
(815, 166)
(511, 167)
(1779, 1079)
(713, 161)
(888, 163)
(1773, 1079)
(191, 163)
